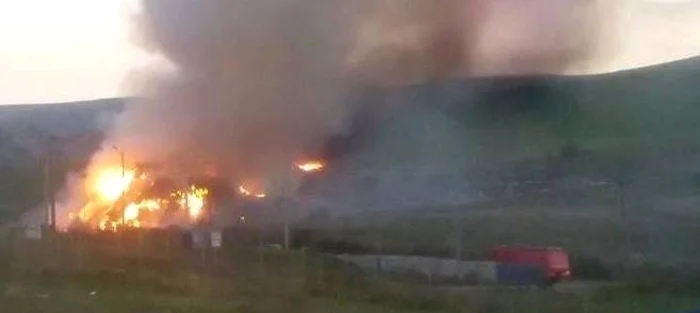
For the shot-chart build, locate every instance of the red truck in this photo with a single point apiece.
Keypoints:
(554, 261)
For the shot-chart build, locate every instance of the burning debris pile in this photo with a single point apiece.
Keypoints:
(133, 198)
(122, 198)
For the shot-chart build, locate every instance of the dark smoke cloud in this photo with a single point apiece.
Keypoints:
(258, 84)
(255, 86)
(414, 41)
(409, 41)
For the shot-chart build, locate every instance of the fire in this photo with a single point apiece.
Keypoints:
(106, 224)
(113, 182)
(194, 201)
(131, 212)
(137, 209)
(313, 166)
(244, 191)
(126, 198)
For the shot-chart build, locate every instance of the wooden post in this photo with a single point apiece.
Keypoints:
(123, 193)
(47, 189)
(458, 247)
(168, 234)
(625, 221)
(260, 250)
(203, 256)
(286, 233)
(140, 248)
(378, 246)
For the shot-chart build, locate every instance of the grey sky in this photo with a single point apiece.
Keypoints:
(53, 51)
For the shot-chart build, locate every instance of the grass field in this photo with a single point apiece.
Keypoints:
(28, 298)
(115, 274)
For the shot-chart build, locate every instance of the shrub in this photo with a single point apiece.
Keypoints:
(592, 268)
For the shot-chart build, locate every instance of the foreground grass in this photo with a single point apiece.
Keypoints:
(98, 276)
(89, 275)
(32, 298)
(190, 292)
(624, 300)
(35, 299)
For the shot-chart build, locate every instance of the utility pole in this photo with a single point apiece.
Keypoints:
(458, 233)
(280, 206)
(47, 187)
(458, 240)
(282, 197)
(121, 156)
(123, 191)
(286, 232)
(284, 206)
(625, 220)
(48, 184)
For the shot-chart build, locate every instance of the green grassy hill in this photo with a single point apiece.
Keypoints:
(549, 154)
(498, 129)
(650, 106)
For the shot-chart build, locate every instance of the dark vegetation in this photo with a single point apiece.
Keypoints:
(71, 131)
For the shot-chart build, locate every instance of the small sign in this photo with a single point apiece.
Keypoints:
(216, 239)
(198, 239)
(32, 232)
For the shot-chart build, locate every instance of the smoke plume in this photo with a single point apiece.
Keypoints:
(256, 85)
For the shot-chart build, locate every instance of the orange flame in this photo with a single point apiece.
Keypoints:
(112, 183)
(195, 201)
(312, 166)
(103, 211)
(132, 212)
(244, 191)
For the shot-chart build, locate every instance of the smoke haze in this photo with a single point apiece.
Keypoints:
(256, 85)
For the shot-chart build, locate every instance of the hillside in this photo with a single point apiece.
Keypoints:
(577, 162)
(618, 109)
(498, 129)
(77, 129)
(488, 132)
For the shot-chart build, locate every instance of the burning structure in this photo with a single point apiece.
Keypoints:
(142, 197)
(135, 198)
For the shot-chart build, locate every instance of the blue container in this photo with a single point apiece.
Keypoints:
(519, 275)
